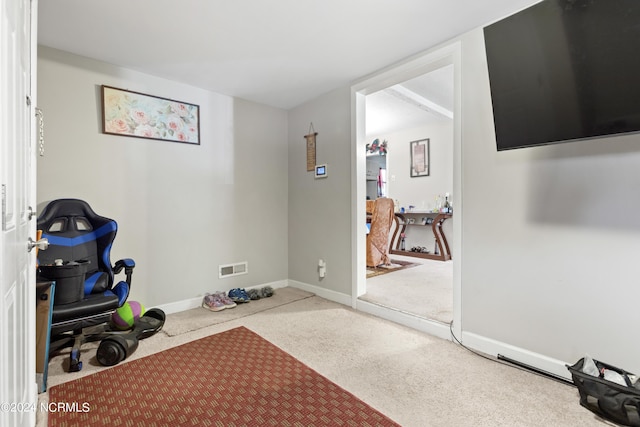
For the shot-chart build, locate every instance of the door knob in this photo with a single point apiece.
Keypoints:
(41, 244)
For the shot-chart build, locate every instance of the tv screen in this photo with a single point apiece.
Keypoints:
(565, 70)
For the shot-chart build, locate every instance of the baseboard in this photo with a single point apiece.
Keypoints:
(538, 361)
(334, 296)
(178, 306)
(431, 327)
(441, 330)
(188, 304)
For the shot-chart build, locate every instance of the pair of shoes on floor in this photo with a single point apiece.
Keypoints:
(265, 292)
(217, 301)
(239, 295)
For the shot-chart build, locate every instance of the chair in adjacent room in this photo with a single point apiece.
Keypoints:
(78, 260)
(378, 237)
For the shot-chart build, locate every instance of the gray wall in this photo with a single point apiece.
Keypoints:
(550, 235)
(182, 209)
(319, 209)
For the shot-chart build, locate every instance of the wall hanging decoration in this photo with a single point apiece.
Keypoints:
(139, 115)
(378, 147)
(311, 148)
(419, 158)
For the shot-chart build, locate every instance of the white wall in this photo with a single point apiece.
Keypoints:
(420, 192)
(182, 209)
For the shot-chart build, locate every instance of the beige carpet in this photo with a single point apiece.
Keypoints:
(413, 378)
(425, 290)
(198, 318)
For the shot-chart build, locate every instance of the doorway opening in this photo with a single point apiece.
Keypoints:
(405, 95)
(412, 120)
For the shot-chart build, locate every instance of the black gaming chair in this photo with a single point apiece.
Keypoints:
(79, 246)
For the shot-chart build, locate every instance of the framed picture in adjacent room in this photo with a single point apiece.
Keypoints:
(139, 115)
(419, 158)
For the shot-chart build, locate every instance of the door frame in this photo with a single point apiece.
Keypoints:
(449, 54)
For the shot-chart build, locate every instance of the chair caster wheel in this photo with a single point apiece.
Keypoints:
(75, 363)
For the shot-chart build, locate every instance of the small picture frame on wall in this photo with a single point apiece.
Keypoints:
(419, 158)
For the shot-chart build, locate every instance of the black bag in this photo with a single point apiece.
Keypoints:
(612, 401)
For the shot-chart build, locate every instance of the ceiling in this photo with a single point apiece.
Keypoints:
(280, 53)
(416, 102)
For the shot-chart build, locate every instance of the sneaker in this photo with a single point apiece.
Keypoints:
(239, 295)
(245, 295)
(254, 294)
(266, 292)
(228, 303)
(212, 302)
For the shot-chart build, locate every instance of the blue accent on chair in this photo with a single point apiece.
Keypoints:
(110, 227)
(122, 291)
(128, 262)
(106, 260)
(90, 282)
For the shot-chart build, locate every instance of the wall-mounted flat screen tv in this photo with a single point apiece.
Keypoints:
(564, 70)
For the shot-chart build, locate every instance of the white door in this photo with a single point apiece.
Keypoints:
(18, 392)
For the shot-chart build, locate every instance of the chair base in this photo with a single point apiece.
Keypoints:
(149, 324)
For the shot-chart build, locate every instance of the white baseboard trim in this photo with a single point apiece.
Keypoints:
(431, 327)
(474, 341)
(538, 361)
(334, 296)
(178, 306)
(188, 304)
(437, 329)
(275, 285)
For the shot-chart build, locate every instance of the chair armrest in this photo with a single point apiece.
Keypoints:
(126, 263)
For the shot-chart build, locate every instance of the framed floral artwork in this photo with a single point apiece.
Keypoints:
(139, 115)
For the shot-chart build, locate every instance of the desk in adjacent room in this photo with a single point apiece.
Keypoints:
(406, 220)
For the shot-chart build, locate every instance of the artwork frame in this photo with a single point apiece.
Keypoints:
(140, 115)
(420, 158)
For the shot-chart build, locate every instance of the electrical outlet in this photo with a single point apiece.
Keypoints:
(322, 268)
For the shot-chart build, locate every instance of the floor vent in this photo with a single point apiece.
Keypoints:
(236, 269)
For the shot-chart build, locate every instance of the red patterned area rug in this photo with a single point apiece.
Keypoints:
(234, 378)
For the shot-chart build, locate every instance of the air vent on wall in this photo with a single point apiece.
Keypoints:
(236, 269)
